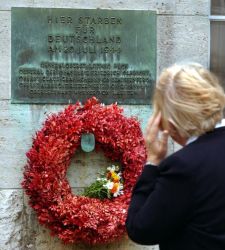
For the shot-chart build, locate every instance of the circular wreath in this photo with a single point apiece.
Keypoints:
(73, 218)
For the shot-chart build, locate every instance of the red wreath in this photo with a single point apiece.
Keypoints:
(73, 218)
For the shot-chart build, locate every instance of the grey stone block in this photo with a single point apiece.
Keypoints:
(5, 54)
(7, 5)
(182, 39)
(11, 219)
(174, 7)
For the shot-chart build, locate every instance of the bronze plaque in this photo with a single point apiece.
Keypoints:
(66, 55)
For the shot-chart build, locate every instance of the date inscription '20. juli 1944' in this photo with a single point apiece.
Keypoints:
(66, 55)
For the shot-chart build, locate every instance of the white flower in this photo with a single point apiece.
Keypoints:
(111, 169)
(108, 185)
(117, 168)
(119, 190)
(101, 179)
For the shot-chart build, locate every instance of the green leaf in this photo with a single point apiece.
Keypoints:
(96, 190)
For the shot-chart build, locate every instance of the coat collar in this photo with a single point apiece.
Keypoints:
(194, 138)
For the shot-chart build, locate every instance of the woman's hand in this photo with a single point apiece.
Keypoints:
(156, 147)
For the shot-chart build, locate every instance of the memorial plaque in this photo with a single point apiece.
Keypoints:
(66, 55)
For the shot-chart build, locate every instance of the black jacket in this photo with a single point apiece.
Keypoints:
(180, 205)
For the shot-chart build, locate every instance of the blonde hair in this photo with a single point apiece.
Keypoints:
(190, 97)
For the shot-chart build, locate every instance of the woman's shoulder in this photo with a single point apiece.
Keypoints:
(207, 150)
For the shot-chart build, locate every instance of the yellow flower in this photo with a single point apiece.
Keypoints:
(115, 177)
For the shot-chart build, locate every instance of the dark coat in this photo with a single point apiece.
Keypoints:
(180, 204)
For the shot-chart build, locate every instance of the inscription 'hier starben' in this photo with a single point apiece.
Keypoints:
(84, 20)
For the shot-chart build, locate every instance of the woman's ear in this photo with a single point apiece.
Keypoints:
(175, 135)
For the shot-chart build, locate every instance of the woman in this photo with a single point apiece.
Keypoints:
(179, 201)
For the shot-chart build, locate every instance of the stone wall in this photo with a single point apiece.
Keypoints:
(183, 34)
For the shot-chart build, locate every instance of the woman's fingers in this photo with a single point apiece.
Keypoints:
(156, 145)
(164, 140)
(153, 128)
(150, 121)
